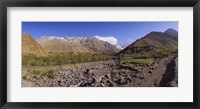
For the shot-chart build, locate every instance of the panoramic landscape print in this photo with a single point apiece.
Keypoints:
(99, 54)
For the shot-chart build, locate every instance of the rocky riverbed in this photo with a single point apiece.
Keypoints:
(162, 73)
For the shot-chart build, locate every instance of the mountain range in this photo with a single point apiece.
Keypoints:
(153, 40)
(77, 45)
(93, 45)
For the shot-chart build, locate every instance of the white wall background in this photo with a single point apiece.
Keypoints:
(183, 93)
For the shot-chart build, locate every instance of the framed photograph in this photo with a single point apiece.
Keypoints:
(100, 54)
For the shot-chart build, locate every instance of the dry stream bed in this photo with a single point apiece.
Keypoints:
(161, 73)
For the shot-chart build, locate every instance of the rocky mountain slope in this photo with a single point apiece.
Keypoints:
(30, 46)
(61, 47)
(153, 40)
(99, 46)
(77, 44)
(172, 33)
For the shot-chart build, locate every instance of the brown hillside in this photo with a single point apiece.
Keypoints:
(99, 46)
(30, 46)
(57, 46)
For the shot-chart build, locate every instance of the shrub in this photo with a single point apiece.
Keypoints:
(137, 61)
(160, 52)
(35, 72)
(41, 73)
(62, 58)
(24, 77)
(49, 73)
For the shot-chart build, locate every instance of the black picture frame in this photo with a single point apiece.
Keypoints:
(99, 3)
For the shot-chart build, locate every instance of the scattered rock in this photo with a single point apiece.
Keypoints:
(87, 70)
(101, 74)
(150, 71)
(121, 81)
(139, 76)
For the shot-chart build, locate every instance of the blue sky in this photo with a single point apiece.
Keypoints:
(123, 32)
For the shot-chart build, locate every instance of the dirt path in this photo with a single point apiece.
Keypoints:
(156, 73)
(170, 77)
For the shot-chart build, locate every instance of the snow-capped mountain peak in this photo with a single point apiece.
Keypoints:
(62, 39)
